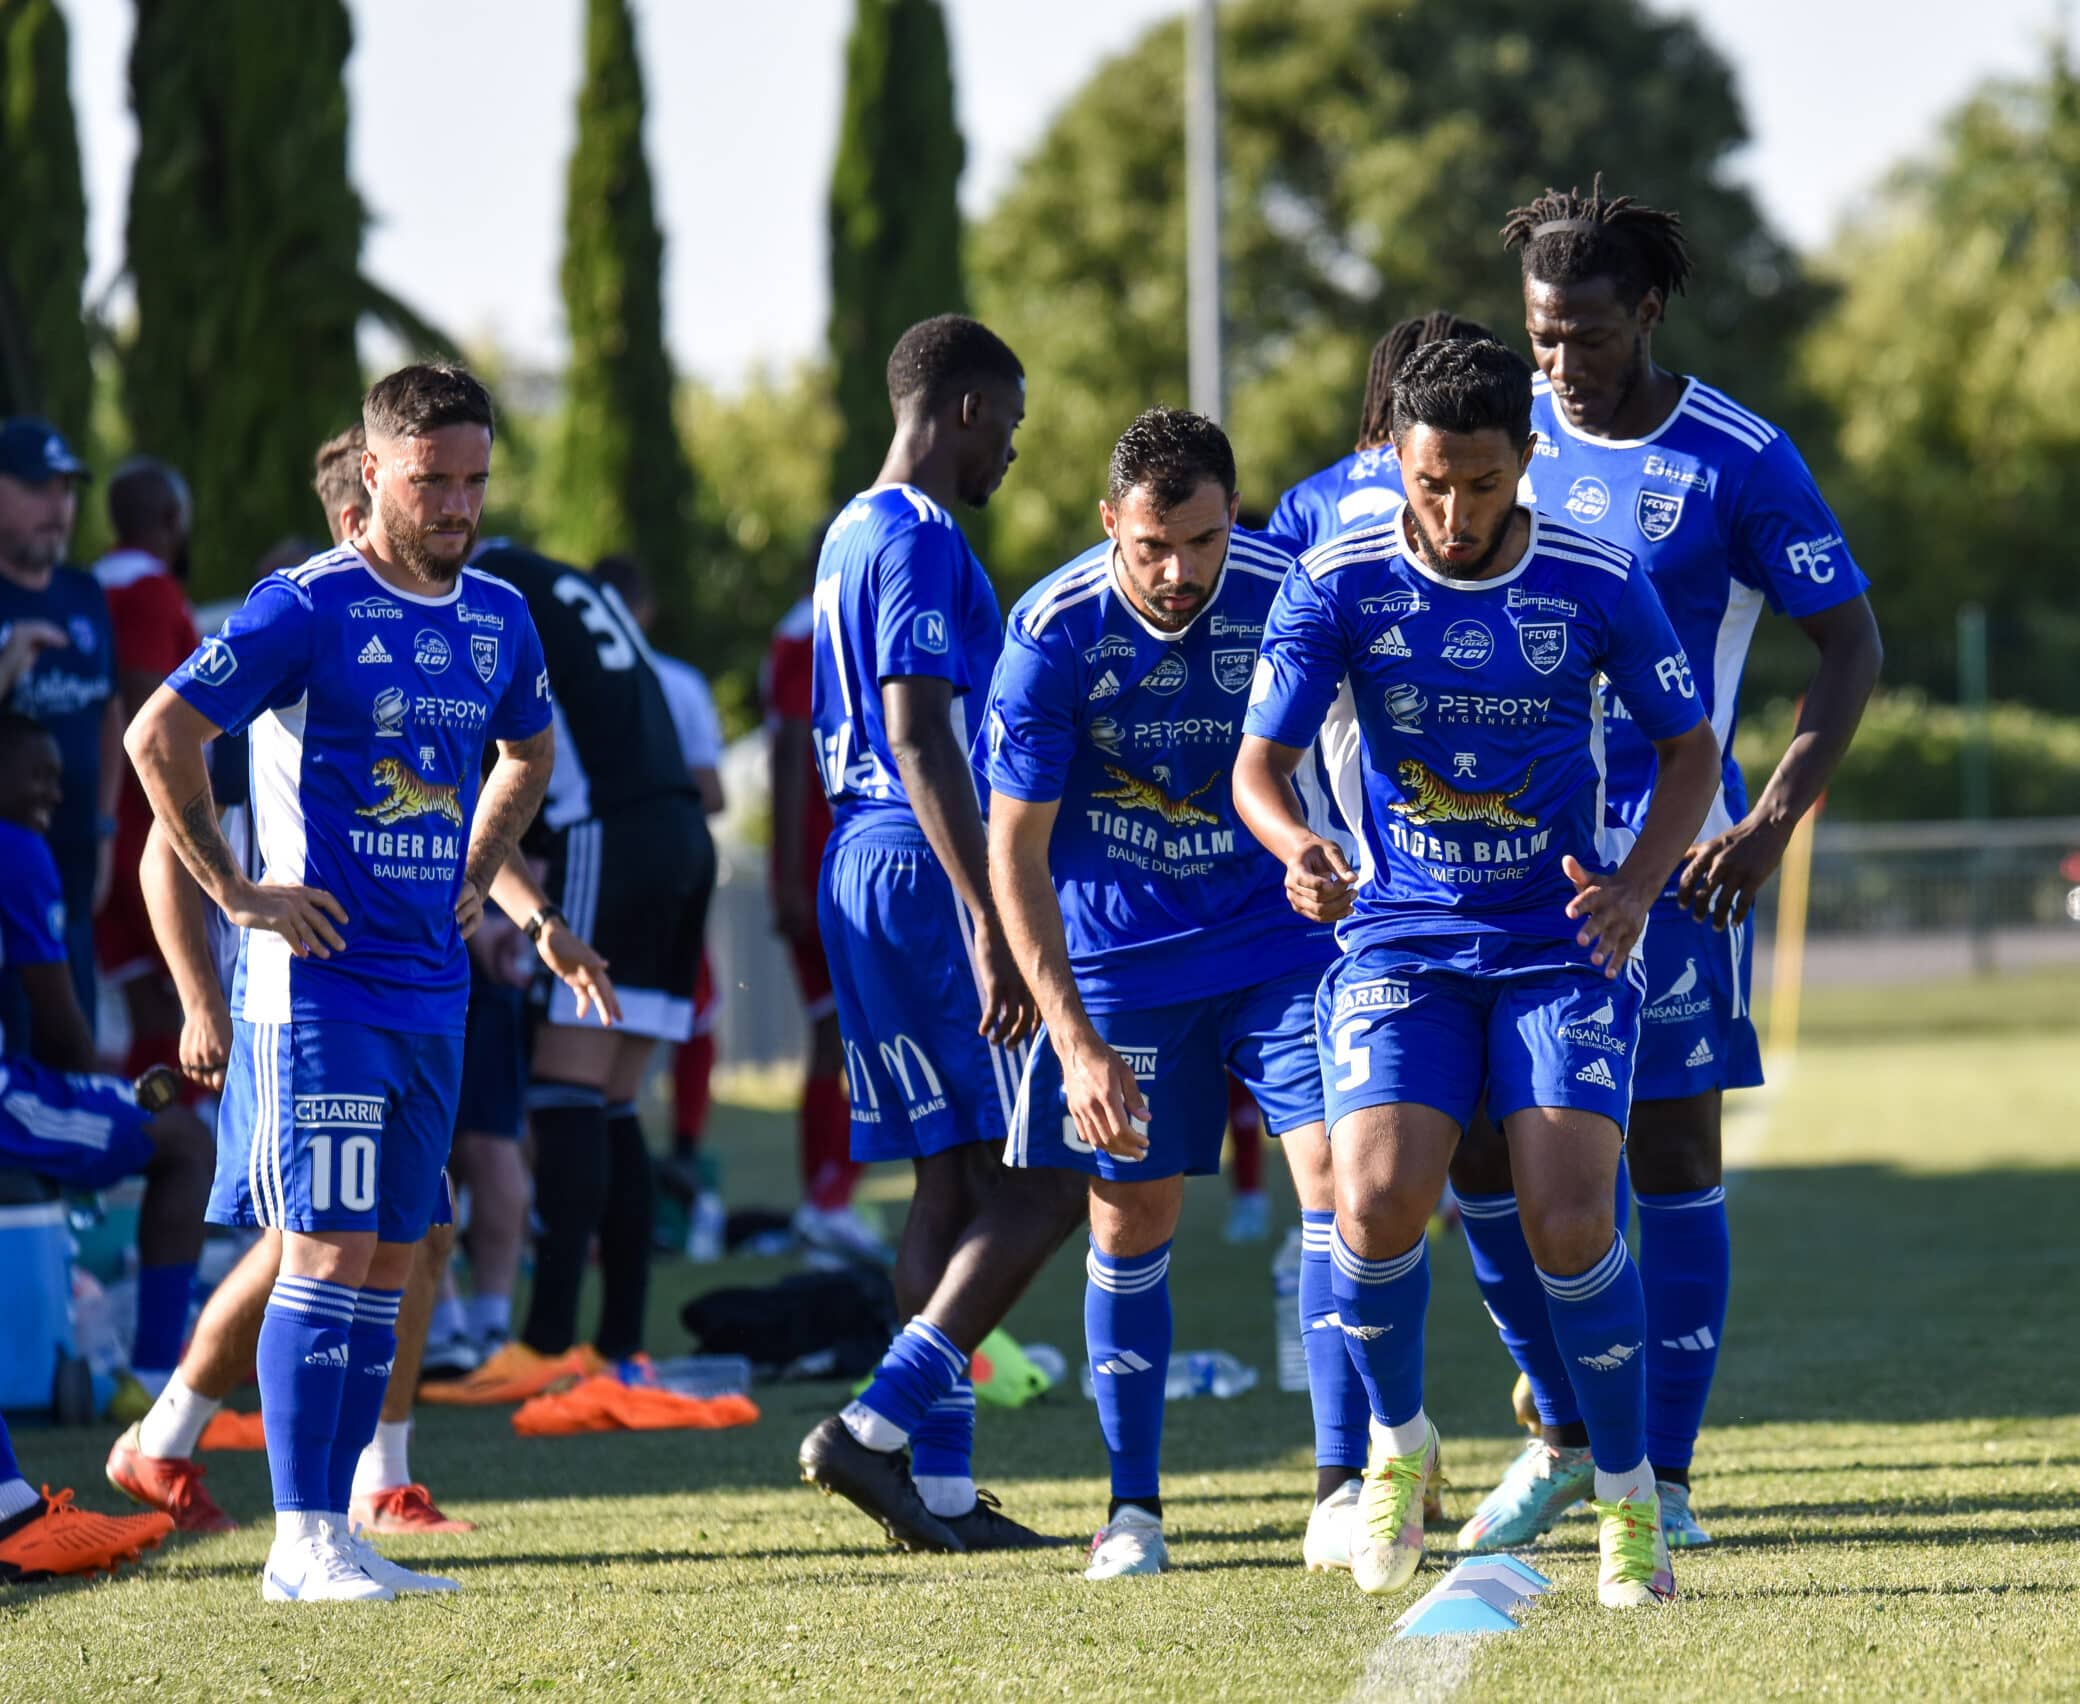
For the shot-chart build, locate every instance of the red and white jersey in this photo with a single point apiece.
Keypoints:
(786, 690)
(154, 626)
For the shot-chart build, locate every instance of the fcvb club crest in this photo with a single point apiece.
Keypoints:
(1232, 669)
(1657, 513)
(1544, 644)
(483, 651)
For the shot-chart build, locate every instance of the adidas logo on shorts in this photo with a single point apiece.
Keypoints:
(373, 651)
(336, 1356)
(1597, 1072)
(1701, 1054)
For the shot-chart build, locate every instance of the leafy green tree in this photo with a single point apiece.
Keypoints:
(622, 479)
(244, 248)
(895, 218)
(44, 360)
(1952, 357)
(1371, 150)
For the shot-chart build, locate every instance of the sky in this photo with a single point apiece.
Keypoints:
(463, 118)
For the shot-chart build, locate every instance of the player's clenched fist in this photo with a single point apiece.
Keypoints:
(304, 917)
(1103, 1096)
(1320, 885)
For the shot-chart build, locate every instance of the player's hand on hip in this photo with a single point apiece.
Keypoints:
(580, 969)
(1611, 911)
(469, 908)
(1008, 1012)
(1722, 876)
(309, 919)
(1104, 1099)
(1320, 885)
(206, 1044)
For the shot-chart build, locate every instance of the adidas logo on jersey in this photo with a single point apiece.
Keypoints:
(1700, 1339)
(1126, 1361)
(1701, 1054)
(1391, 644)
(1597, 1072)
(373, 651)
(336, 1356)
(1107, 686)
(1611, 1359)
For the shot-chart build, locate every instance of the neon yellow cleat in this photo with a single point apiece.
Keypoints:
(1387, 1547)
(1636, 1571)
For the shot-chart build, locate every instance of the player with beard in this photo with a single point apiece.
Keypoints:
(1719, 510)
(930, 1002)
(372, 707)
(1487, 927)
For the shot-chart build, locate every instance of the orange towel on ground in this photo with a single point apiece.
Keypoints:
(229, 1431)
(607, 1405)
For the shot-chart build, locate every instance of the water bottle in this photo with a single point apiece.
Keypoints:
(704, 1375)
(1200, 1372)
(1285, 1310)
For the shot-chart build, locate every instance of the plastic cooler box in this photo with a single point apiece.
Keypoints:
(36, 1322)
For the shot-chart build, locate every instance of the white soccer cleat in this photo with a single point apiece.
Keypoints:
(319, 1568)
(1131, 1543)
(840, 1230)
(1329, 1529)
(400, 1579)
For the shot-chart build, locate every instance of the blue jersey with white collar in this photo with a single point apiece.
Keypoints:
(1165, 896)
(1719, 509)
(1470, 746)
(1362, 489)
(369, 710)
(898, 592)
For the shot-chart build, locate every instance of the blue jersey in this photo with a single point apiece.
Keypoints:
(370, 709)
(68, 692)
(32, 909)
(1478, 761)
(1719, 509)
(1164, 894)
(1360, 490)
(898, 592)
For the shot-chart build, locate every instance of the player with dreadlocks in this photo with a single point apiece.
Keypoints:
(1715, 503)
(1365, 485)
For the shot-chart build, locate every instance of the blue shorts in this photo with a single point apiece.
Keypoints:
(1695, 1033)
(494, 1059)
(83, 1132)
(336, 1127)
(1264, 1034)
(921, 1080)
(1436, 1021)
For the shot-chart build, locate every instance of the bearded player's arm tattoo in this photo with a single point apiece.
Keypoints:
(201, 844)
(506, 807)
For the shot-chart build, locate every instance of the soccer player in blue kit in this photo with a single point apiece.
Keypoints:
(1364, 487)
(1486, 930)
(1721, 513)
(372, 685)
(930, 1003)
(1156, 937)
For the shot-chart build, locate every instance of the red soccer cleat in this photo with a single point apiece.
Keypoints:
(402, 1508)
(56, 1536)
(170, 1484)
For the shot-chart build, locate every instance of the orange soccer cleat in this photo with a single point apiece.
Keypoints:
(514, 1374)
(402, 1508)
(56, 1536)
(170, 1484)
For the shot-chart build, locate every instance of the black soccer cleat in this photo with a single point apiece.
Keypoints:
(987, 1527)
(157, 1089)
(878, 1483)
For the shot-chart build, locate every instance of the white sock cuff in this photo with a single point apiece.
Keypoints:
(175, 1421)
(1405, 1439)
(876, 1431)
(1635, 1483)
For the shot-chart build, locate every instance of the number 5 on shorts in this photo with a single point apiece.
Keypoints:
(357, 1173)
(1356, 1061)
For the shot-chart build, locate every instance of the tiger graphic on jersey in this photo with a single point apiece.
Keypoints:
(1139, 795)
(1431, 800)
(407, 793)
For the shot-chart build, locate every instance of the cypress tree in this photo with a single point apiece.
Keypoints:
(244, 247)
(44, 363)
(622, 480)
(895, 215)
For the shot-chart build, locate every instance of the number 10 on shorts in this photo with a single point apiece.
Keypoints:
(343, 1172)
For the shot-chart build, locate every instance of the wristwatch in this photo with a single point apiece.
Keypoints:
(541, 920)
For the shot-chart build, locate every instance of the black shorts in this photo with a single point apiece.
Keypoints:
(636, 885)
(494, 1058)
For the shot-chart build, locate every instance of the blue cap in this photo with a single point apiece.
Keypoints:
(32, 451)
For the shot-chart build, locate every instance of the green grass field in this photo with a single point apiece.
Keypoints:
(1892, 1467)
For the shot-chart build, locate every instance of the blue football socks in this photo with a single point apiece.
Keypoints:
(1334, 1388)
(1687, 1265)
(371, 1347)
(1382, 1304)
(302, 1364)
(1507, 1278)
(1127, 1327)
(162, 1316)
(1600, 1322)
(942, 1451)
(921, 1366)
